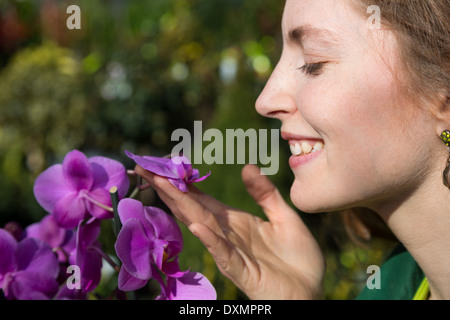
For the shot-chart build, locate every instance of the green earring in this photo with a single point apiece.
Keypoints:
(445, 136)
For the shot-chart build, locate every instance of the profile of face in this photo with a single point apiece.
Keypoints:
(356, 139)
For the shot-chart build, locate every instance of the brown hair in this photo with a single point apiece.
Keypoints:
(422, 31)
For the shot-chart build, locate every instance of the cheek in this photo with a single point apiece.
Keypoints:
(360, 118)
(356, 106)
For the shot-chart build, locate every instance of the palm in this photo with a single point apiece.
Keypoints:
(282, 259)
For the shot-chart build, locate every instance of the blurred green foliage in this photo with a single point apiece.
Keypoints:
(136, 71)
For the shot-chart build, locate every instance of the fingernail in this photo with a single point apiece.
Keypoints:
(192, 229)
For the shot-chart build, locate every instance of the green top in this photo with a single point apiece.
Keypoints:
(401, 279)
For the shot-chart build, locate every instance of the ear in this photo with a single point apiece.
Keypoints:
(441, 111)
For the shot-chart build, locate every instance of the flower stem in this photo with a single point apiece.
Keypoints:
(135, 192)
(137, 189)
(108, 259)
(115, 202)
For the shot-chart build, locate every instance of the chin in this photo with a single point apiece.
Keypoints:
(309, 200)
(308, 204)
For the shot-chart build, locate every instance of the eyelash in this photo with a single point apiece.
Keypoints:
(313, 69)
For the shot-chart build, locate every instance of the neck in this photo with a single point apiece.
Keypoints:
(420, 219)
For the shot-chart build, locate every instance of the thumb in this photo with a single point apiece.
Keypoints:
(266, 195)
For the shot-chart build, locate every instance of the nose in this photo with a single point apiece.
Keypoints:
(277, 99)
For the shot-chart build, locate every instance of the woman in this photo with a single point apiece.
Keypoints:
(363, 109)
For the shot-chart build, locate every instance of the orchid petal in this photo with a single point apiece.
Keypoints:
(133, 249)
(128, 282)
(48, 231)
(90, 269)
(109, 173)
(77, 170)
(88, 233)
(33, 286)
(8, 246)
(64, 293)
(58, 238)
(36, 256)
(164, 290)
(178, 170)
(181, 166)
(130, 209)
(192, 179)
(153, 164)
(166, 228)
(68, 248)
(102, 196)
(157, 252)
(192, 286)
(179, 184)
(172, 269)
(134, 209)
(194, 175)
(86, 256)
(69, 211)
(51, 186)
(187, 166)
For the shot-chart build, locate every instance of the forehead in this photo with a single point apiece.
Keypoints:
(336, 16)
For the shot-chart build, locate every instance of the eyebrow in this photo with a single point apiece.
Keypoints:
(324, 36)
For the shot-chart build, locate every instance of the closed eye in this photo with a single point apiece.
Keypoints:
(313, 69)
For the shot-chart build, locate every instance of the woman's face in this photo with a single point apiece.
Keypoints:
(334, 87)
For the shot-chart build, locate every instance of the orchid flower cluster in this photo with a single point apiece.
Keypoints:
(77, 195)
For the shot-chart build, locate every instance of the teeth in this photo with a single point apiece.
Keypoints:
(292, 149)
(305, 148)
(318, 146)
(296, 149)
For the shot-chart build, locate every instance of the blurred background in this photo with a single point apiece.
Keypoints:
(136, 71)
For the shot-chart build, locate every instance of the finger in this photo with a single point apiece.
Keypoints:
(228, 260)
(214, 205)
(266, 195)
(183, 205)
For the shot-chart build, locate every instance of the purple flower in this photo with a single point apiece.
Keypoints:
(88, 255)
(150, 241)
(178, 170)
(79, 188)
(191, 286)
(28, 269)
(64, 293)
(62, 241)
(77, 247)
(148, 236)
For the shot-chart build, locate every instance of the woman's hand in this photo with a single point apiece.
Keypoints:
(274, 259)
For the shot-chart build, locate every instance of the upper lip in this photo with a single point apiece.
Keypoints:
(290, 136)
